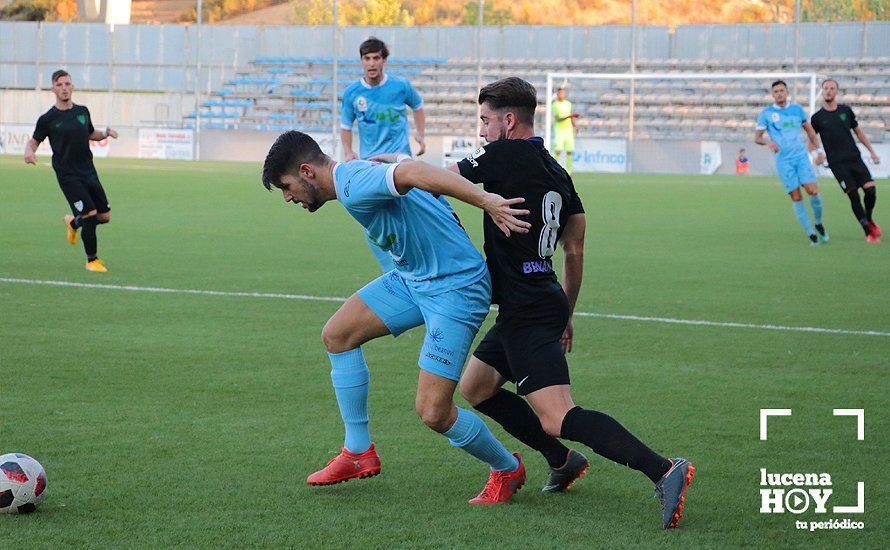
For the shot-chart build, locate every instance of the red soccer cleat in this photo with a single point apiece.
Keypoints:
(872, 238)
(346, 466)
(501, 485)
(875, 229)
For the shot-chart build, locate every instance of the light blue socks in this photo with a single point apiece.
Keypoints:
(351, 379)
(471, 434)
(816, 204)
(800, 210)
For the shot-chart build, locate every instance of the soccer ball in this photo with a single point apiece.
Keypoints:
(22, 484)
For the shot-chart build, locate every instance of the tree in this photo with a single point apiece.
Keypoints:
(490, 15)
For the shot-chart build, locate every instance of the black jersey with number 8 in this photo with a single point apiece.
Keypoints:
(521, 265)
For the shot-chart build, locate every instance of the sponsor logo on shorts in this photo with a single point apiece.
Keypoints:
(544, 266)
(438, 358)
(437, 334)
(79, 206)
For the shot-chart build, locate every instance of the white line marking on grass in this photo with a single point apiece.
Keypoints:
(307, 297)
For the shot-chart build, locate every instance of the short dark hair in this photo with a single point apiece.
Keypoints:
(830, 80)
(59, 74)
(777, 82)
(373, 45)
(511, 94)
(289, 151)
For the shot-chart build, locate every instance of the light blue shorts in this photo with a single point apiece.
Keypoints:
(795, 172)
(452, 318)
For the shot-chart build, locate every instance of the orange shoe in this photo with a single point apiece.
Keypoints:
(346, 466)
(70, 232)
(501, 485)
(96, 265)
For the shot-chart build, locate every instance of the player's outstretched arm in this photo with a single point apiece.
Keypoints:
(411, 174)
(572, 242)
(864, 140)
(31, 151)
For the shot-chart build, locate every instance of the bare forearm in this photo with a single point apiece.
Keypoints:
(346, 139)
(421, 175)
(863, 139)
(420, 122)
(760, 139)
(98, 136)
(572, 273)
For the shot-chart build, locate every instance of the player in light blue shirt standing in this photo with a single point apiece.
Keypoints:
(783, 122)
(377, 102)
(440, 280)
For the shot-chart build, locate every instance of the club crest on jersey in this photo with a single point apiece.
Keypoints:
(843, 116)
(775, 117)
(82, 119)
(361, 104)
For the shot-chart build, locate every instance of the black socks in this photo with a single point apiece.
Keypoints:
(871, 197)
(609, 439)
(88, 235)
(856, 205)
(519, 419)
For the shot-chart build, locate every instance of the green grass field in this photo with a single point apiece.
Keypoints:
(184, 419)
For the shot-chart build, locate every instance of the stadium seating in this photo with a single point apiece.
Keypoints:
(275, 93)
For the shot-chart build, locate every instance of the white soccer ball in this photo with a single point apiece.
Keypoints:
(22, 484)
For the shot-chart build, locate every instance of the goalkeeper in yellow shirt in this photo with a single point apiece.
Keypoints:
(563, 127)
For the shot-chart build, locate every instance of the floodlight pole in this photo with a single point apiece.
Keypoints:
(548, 112)
(335, 93)
(478, 72)
(633, 83)
(198, 83)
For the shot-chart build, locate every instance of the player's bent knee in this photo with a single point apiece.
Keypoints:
(335, 338)
(103, 217)
(436, 417)
(89, 214)
(552, 424)
(475, 393)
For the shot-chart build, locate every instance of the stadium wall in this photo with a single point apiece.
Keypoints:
(162, 57)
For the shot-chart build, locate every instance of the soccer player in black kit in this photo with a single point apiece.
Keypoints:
(534, 330)
(70, 130)
(833, 122)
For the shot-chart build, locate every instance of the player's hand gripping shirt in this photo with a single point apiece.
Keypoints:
(381, 115)
(521, 265)
(429, 248)
(784, 127)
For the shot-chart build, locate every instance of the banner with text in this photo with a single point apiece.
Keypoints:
(166, 143)
(711, 157)
(881, 170)
(600, 155)
(14, 137)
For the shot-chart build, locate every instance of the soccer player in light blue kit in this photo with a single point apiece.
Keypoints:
(783, 121)
(440, 281)
(377, 102)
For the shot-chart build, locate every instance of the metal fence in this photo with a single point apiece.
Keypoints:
(163, 57)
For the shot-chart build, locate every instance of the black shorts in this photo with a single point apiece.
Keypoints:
(851, 174)
(523, 345)
(83, 192)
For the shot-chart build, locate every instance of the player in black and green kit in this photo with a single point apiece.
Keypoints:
(70, 130)
(834, 123)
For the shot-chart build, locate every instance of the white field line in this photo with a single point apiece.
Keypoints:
(307, 297)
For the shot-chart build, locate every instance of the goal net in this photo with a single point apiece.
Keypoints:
(672, 122)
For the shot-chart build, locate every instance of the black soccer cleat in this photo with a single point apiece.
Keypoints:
(823, 234)
(562, 478)
(671, 491)
(814, 240)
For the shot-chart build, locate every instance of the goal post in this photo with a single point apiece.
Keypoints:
(668, 97)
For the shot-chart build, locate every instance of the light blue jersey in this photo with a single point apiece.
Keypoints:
(381, 114)
(784, 127)
(429, 248)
